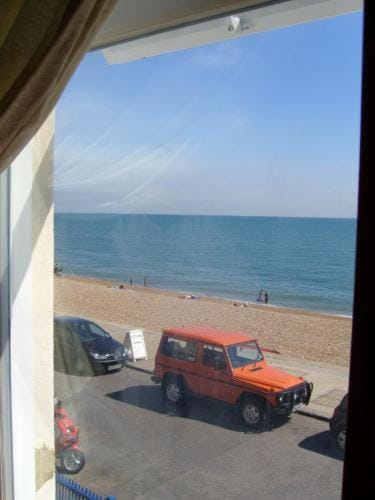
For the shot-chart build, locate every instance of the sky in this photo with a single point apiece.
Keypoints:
(266, 124)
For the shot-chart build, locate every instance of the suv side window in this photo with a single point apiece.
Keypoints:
(180, 349)
(214, 356)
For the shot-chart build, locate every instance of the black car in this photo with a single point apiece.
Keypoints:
(337, 423)
(82, 346)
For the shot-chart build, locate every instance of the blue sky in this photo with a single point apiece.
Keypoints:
(263, 125)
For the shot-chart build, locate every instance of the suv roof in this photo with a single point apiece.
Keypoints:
(209, 335)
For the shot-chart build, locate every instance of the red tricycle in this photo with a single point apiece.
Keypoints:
(67, 450)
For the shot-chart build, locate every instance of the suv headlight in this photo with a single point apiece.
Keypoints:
(282, 398)
(98, 356)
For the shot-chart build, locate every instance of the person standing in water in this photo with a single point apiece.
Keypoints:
(145, 281)
(266, 297)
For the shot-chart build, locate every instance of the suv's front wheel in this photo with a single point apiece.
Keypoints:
(173, 390)
(252, 411)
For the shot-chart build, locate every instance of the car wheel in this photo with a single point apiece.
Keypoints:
(253, 412)
(173, 390)
(340, 439)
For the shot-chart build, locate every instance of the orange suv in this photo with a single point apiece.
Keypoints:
(228, 366)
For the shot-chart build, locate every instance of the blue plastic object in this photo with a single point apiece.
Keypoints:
(66, 489)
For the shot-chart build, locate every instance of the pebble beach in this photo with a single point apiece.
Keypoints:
(301, 334)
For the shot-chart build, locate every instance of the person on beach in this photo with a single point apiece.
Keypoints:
(131, 280)
(266, 297)
(261, 296)
(145, 281)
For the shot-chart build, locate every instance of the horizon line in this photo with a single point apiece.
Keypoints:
(209, 215)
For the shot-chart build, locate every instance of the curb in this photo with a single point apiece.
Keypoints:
(313, 415)
(139, 369)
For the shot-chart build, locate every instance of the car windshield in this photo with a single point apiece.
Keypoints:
(244, 354)
(88, 331)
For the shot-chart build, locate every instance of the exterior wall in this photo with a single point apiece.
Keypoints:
(31, 337)
(42, 307)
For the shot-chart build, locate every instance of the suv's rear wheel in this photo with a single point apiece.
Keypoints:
(252, 411)
(173, 390)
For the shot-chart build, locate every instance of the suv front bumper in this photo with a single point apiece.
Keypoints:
(288, 400)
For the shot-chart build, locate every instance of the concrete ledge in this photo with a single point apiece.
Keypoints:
(313, 414)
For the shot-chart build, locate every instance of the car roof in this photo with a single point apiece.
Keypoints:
(209, 335)
(71, 319)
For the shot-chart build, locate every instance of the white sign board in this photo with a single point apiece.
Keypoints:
(135, 342)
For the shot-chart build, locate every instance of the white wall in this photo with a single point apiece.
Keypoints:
(31, 336)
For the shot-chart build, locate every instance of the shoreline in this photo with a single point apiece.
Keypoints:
(300, 333)
(278, 308)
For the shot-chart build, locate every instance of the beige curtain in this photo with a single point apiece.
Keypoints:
(41, 44)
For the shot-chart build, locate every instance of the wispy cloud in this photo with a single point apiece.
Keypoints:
(119, 184)
(149, 170)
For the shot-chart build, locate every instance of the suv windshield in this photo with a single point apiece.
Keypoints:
(244, 354)
(88, 331)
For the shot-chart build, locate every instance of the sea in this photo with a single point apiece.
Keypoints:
(303, 263)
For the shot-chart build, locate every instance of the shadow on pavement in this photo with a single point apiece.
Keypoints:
(138, 368)
(78, 372)
(81, 368)
(208, 411)
(322, 443)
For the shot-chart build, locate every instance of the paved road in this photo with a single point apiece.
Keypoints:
(138, 447)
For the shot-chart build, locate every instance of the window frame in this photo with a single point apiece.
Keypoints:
(6, 454)
(363, 343)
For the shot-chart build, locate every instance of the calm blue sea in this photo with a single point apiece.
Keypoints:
(305, 263)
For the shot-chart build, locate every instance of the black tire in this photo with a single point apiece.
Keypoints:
(253, 412)
(340, 439)
(72, 461)
(173, 390)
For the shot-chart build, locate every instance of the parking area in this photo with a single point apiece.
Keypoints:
(137, 446)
